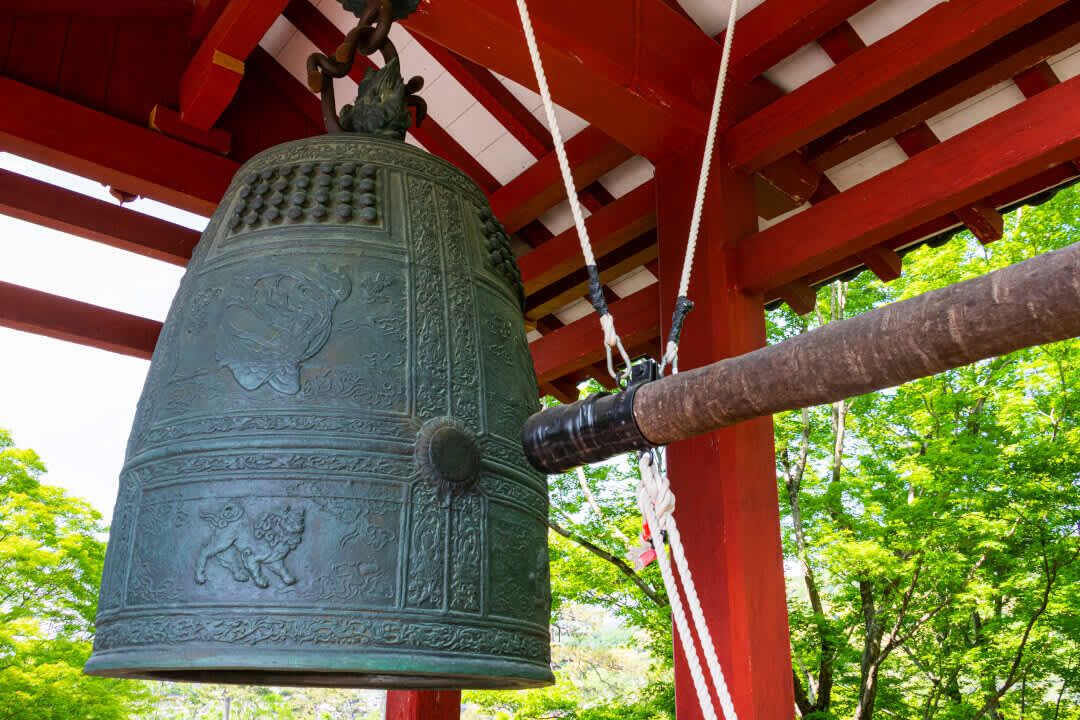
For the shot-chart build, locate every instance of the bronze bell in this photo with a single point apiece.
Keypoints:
(325, 484)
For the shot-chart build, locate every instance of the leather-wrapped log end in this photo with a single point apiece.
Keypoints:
(597, 428)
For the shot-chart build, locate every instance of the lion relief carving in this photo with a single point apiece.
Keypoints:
(247, 548)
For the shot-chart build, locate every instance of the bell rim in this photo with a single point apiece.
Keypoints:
(319, 668)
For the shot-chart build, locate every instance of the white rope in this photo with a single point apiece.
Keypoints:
(678, 613)
(607, 323)
(671, 353)
(657, 503)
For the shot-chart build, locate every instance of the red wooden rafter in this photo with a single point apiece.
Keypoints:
(540, 187)
(579, 344)
(69, 136)
(214, 74)
(1002, 151)
(940, 37)
(58, 317)
(636, 68)
(996, 63)
(95, 8)
(54, 207)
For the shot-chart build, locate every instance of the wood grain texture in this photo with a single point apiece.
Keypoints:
(148, 59)
(36, 51)
(1031, 303)
(84, 76)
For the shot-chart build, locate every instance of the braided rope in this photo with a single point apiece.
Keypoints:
(678, 613)
(607, 323)
(671, 353)
(658, 504)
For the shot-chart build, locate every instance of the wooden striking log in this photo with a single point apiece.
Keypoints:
(1031, 303)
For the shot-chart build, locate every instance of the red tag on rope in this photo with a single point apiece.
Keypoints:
(644, 554)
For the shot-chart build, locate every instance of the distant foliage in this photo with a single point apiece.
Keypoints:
(934, 529)
(50, 570)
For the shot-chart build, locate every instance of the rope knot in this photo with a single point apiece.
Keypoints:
(656, 490)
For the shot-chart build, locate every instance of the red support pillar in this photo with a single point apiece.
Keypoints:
(725, 482)
(423, 705)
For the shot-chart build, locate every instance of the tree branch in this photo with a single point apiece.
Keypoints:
(618, 562)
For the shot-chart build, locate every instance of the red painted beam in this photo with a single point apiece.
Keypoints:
(883, 262)
(581, 343)
(610, 227)
(495, 98)
(423, 705)
(72, 137)
(211, 79)
(167, 121)
(940, 37)
(629, 256)
(206, 13)
(54, 207)
(532, 193)
(983, 220)
(297, 93)
(99, 8)
(776, 28)
(1002, 151)
(636, 68)
(725, 481)
(61, 318)
(1004, 59)
(1042, 181)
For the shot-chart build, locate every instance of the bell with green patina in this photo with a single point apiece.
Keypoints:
(325, 483)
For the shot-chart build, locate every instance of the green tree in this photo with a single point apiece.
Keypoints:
(934, 527)
(180, 701)
(50, 569)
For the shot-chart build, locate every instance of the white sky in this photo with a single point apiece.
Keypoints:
(74, 404)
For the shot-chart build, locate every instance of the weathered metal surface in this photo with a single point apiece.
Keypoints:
(324, 484)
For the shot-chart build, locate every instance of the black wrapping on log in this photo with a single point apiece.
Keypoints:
(596, 293)
(596, 428)
(683, 306)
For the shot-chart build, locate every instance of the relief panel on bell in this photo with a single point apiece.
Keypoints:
(518, 580)
(429, 303)
(291, 334)
(466, 558)
(509, 379)
(303, 542)
(426, 581)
